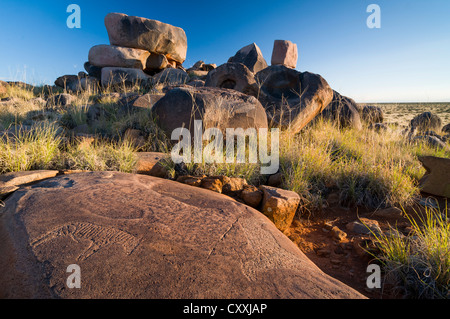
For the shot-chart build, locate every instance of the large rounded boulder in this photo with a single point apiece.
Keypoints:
(136, 236)
(216, 107)
(251, 57)
(233, 75)
(343, 111)
(151, 35)
(426, 121)
(291, 98)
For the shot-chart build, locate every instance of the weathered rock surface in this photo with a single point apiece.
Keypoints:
(343, 111)
(364, 226)
(432, 141)
(202, 66)
(279, 205)
(151, 35)
(372, 114)
(136, 236)
(426, 122)
(170, 77)
(251, 195)
(217, 108)
(65, 80)
(112, 76)
(446, 128)
(10, 182)
(291, 98)
(151, 163)
(93, 70)
(156, 62)
(285, 53)
(116, 56)
(436, 180)
(251, 57)
(135, 102)
(235, 76)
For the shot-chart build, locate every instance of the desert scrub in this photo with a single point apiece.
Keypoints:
(367, 168)
(24, 150)
(101, 155)
(419, 265)
(18, 111)
(21, 92)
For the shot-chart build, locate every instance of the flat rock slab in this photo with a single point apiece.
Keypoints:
(111, 55)
(136, 236)
(10, 182)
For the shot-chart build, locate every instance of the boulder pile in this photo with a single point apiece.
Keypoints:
(151, 53)
(139, 48)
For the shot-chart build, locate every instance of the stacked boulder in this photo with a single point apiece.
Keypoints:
(149, 52)
(291, 98)
(139, 49)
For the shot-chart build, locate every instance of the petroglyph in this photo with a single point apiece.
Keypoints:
(99, 237)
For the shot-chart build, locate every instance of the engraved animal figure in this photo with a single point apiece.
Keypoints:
(98, 236)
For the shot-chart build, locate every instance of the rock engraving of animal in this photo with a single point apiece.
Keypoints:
(99, 237)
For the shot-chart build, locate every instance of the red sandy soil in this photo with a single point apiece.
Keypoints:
(341, 259)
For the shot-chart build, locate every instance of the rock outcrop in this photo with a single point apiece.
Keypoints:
(235, 76)
(426, 122)
(136, 236)
(116, 56)
(217, 108)
(151, 35)
(285, 53)
(251, 57)
(292, 99)
(343, 111)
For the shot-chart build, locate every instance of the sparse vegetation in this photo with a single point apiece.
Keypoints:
(365, 168)
(419, 265)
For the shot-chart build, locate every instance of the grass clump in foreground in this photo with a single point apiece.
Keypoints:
(43, 147)
(419, 265)
(35, 149)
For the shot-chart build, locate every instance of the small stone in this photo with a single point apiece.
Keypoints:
(391, 212)
(275, 180)
(212, 183)
(335, 261)
(364, 226)
(190, 180)
(337, 233)
(232, 185)
(279, 205)
(323, 252)
(156, 62)
(251, 195)
(150, 163)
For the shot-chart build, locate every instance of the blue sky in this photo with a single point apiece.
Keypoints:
(407, 60)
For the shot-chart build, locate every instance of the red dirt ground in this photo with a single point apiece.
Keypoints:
(341, 259)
